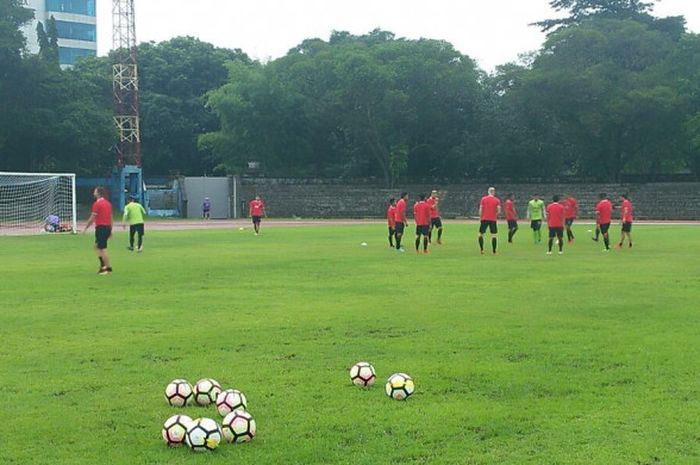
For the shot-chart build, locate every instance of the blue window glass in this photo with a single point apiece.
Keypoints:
(68, 56)
(76, 31)
(80, 7)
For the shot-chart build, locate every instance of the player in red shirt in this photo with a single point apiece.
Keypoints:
(511, 217)
(435, 219)
(256, 208)
(391, 221)
(489, 209)
(101, 217)
(626, 217)
(400, 220)
(556, 219)
(421, 214)
(570, 214)
(603, 213)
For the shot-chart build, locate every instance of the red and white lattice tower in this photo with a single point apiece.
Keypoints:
(126, 83)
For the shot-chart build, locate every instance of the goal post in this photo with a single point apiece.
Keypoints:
(32, 203)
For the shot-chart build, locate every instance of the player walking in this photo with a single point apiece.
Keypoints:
(556, 218)
(421, 214)
(511, 217)
(257, 211)
(435, 219)
(536, 213)
(570, 214)
(489, 209)
(101, 217)
(626, 218)
(400, 220)
(134, 213)
(603, 212)
(390, 212)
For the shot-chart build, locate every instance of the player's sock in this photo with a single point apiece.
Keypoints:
(417, 243)
(561, 244)
(439, 234)
(606, 240)
(549, 244)
(398, 242)
(102, 262)
(430, 235)
(481, 243)
(494, 244)
(425, 244)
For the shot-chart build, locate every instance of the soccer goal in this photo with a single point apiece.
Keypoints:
(32, 203)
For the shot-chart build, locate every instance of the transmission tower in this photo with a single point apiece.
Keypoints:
(126, 84)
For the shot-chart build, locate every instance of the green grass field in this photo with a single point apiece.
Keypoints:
(585, 358)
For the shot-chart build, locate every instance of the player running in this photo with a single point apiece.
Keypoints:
(603, 213)
(391, 221)
(626, 218)
(570, 214)
(400, 221)
(536, 213)
(556, 213)
(134, 213)
(421, 214)
(101, 216)
(257, 211)
(489, 209)
(435, 219)
(511, 217)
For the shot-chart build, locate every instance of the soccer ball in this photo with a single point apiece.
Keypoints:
(238, 426)
(364, 244)
(229, 400)
(178, 393)
(175, 428)
(203, 434)
(399, 386)
(362, 374)
(206, 390)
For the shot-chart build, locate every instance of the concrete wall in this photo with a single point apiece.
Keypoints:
(313, 198)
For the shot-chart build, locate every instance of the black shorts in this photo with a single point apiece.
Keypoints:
(436, 222)
(512, 224)
(569, 221)
(257, 219)
(102, 233)
(398, 228)
(490, 225)
(136, 228)
(604, 228)
(627, 227)
(556, 232)
(423, 229)
(536, 224)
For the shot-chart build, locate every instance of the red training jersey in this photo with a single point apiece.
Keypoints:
(570, 208)
(627, 210)
(489, 208)
(257, 207)
(421, 213)
(400, 211)
(103, 212)
(510, 211)
(434, 211)
(555, 215)
(390, 215)
(603, 211)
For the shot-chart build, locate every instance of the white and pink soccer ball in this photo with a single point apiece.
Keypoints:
(362, 374)
(238, 426)
(206, 391)
(203, 434)
(175, 429)
(229, 400)
(178, 393)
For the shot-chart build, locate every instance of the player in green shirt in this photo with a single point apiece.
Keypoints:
(134, 213)
(536, 214)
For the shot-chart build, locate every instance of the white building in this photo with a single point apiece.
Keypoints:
(76, 22)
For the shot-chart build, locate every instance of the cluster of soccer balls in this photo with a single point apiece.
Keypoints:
(399, 386)
(205, 434)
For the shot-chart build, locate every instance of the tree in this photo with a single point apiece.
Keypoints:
(581, 10)
(48, 40)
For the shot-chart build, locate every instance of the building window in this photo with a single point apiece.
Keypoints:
(80, 7)
(68, 56)
(76, 31)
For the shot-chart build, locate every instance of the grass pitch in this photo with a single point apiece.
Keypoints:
(585, 358)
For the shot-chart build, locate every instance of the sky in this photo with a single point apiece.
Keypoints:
(492, 32)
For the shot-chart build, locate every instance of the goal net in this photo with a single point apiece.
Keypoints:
(32, 203)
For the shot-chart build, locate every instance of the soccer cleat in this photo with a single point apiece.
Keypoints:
(549, 252)
(594, 239)
(482, 252)
(561, 252)
(606, 249)
(140, 249)
(439, 241)
(618, 246)
(130, 248)
(104, 271)
(426, 251)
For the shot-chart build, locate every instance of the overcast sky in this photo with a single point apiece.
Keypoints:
(491, 31)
